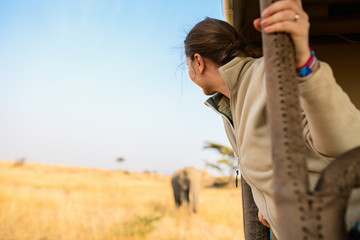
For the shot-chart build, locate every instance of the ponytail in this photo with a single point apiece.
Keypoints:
(218, 41)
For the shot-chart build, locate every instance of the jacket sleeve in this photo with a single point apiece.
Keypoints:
(331, 121)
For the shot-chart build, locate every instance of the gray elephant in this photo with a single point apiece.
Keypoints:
(186, 184)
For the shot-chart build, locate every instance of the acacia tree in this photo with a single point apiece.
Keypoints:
(120, 160)
(227, 160)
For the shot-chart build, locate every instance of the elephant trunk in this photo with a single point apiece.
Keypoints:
(195, 191)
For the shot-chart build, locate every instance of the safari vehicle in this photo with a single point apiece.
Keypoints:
(335, 37)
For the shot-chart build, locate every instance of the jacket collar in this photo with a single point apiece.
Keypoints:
(232, 72)
(220, 104)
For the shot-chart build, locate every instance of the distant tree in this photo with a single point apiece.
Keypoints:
(227, 160)
(19, 162)
(120, 160)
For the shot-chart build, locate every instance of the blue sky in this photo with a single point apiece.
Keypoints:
(85, 82)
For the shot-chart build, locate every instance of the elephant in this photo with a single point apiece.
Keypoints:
(186, 184)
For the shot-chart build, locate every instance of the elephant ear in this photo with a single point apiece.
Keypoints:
(183, 180)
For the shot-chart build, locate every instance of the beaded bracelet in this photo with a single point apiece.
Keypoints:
(310, 66)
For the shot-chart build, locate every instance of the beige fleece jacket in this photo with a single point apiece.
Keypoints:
(331, 126)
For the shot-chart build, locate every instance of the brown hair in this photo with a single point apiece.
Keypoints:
(218, 41)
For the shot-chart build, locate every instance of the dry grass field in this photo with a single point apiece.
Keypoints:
(47, 202)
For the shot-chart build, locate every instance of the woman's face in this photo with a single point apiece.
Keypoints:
(205, 73)
(198, 78)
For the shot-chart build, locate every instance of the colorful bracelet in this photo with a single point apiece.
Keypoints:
(310, 67)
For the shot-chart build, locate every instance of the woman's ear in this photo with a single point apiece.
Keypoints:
(199, 62)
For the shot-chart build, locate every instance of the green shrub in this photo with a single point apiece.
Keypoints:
(140, 225)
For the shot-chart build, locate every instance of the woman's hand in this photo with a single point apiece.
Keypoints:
(288, 16)
(263, 220)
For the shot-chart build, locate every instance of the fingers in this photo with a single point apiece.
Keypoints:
(257, 24)
(286, 15)
(290, 27)
(285, 12)
(278, 6)
(296, 24)
(263, 220)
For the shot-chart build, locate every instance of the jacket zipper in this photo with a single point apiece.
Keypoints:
(227, 119)
(237, 171)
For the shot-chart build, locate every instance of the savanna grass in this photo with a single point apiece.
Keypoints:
(45, 202)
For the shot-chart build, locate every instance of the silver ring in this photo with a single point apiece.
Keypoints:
(297, 16)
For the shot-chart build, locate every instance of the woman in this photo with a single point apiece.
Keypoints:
(223, 65)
